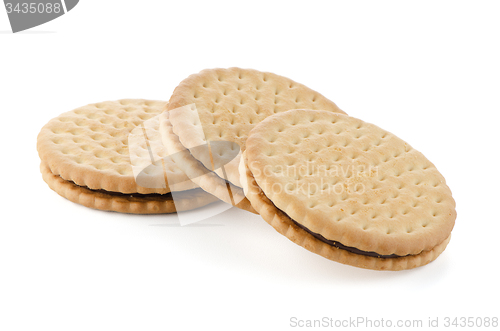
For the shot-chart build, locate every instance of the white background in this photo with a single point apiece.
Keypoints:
(428, 71)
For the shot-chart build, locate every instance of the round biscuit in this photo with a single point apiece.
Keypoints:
(351, 182)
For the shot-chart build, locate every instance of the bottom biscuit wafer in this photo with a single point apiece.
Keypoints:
(126, 203)
(287, 227)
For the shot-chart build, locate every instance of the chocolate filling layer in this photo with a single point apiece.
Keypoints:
(135, 195)
(119, 194)
(339, 245)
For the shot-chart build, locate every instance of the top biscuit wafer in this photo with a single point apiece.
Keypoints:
(351, 182)
(229, 103)
(90, 147)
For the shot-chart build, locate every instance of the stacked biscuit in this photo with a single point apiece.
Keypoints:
(340, 187)
(89, 156)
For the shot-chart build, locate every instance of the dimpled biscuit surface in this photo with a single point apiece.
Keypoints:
(284, 225)
(90, 147)
(230, 102)
(351, 182)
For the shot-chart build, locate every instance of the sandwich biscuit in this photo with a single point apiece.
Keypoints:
(109, 156)
(347, 190)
